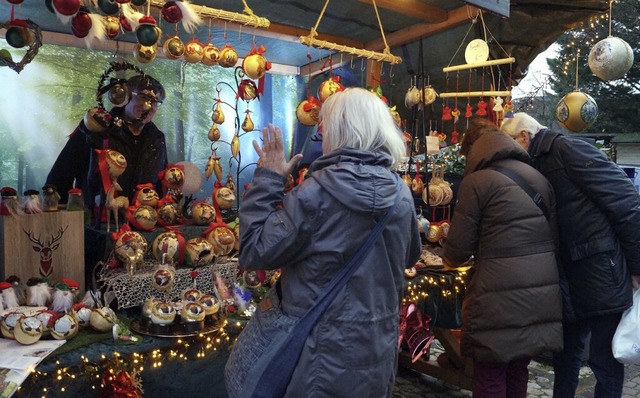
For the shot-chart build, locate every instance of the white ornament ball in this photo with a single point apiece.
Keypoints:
(610, 58)
(65, 327)
(576, 111)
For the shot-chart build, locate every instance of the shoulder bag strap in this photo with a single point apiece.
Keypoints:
(535, 196)
(273, 382)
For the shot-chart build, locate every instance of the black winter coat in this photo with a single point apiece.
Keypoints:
(146, 156)
(598, 213)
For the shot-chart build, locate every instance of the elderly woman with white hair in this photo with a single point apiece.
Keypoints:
(312, 232)
(598, 212)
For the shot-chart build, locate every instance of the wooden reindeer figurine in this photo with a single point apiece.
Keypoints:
(114, 205)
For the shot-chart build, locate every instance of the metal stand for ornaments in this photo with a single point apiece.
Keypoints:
(246, 90)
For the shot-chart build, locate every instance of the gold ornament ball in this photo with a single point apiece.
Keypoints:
(255, 66)
(193, 52)
(173, 48)
(222, 239)
(328, 88)
(144, 54)
(210, 55)
(198, 252)
(116, 163)
(128, 244)
(225, 198)
(163, 313)
(163, 278)
(146, 217)
(307, 117)
(148, 196)
(203, 213)
(8, 324)
(166, 243)
(28, 330)
(228, 57)
(192, 312)
(210, 304)
(102, 319)
(65, 328)
(168, 214)
(576, 111)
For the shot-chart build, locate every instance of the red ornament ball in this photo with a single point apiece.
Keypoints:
(66, 7)
(15, 1)
(171, 12)
(81, 24)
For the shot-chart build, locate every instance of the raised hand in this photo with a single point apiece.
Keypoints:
(272, 152)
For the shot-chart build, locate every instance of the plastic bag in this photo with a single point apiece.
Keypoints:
(626, 340)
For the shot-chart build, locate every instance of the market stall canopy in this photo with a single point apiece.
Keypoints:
(443, 26)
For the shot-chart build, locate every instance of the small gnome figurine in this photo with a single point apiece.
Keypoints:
(31, 202)
(9, 298)
(9, 204)
(19, 288)
(63, 298)
(38, 292)
(51, 197)
(74, 287)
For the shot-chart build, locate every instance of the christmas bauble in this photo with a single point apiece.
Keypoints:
(144, 54)
(45, 319)
(163, 313)
(251, 279)
(147, 196)
(136, 2)
(171, 12)
(173, 178)
(228, 57)
(308, 112)
(102, 319)
(66, 7)
(168, 214)
(83, 316)
(255, 66)
(147, 307)
(145, 217)
(118, 94)
(222, 239)
(193, 51)
(166, 247)
(112, 26)
(611, 58)
(210, 304)
(8, 324)
(191, 295)
(65, 328)
(328, 88)
(225, 198)
(163, 278)
(192, 312)
(109, 7)
(203, 213)
(210, 55)
(576, 111)
(198, 252)
(116, 163)
(17, 36)
(128, 245)
(147, 34)
(81, 24)
(124, 23)
(28, 330)
(247, 90)
(173, 47)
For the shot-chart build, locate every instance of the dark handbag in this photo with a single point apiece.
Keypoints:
(267, 351)
(445, 291)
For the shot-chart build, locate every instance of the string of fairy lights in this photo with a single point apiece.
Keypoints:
(59, 382)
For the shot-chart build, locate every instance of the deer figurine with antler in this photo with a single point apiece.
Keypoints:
(115, 204)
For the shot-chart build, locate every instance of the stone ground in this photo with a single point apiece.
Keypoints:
(410, 384)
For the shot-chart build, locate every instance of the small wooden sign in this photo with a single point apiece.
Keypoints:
(49, 244)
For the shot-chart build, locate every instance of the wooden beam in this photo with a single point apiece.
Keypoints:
(292, 34)
(412, 33)
(412, 8)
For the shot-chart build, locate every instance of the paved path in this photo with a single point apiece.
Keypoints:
(410, 384)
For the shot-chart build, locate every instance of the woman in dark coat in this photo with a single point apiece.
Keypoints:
(312, 231)
(512, 308)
